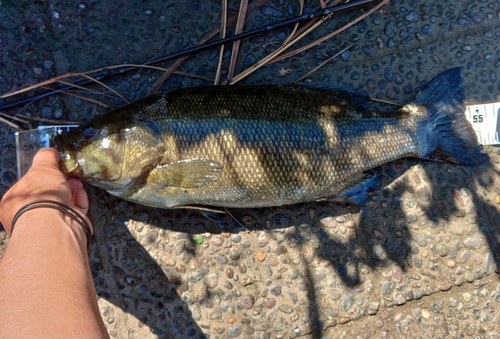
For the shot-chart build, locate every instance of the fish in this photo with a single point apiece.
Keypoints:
(255, 146)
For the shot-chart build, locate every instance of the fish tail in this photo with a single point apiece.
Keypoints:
(450, 135)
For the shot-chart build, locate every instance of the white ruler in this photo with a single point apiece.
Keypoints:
(484, 119)
(29, 142)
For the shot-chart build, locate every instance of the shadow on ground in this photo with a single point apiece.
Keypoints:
(413, 194)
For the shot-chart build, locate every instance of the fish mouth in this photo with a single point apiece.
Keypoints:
(69, 162)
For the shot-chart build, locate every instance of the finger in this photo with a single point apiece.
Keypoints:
(74, 184)
(81, 200)
(46, 157)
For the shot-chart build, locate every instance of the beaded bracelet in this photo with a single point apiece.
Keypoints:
(67, 210)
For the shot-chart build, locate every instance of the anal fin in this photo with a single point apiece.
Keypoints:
(358, 194)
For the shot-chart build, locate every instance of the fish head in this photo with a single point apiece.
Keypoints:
(92, 152)
(110, 152)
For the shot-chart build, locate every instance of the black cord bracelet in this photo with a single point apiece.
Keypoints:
(67, 210)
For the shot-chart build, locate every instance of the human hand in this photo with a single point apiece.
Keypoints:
(44, 180)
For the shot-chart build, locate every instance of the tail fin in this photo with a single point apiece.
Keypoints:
(455, 139)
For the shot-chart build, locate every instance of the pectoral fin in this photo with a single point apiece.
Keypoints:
(189, 173)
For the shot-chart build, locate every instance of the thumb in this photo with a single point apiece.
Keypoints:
(47, 157)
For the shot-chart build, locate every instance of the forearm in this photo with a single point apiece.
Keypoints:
(45, 280)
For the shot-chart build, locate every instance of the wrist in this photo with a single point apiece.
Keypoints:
(53, 214)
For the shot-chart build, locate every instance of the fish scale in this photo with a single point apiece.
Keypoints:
(254, 146)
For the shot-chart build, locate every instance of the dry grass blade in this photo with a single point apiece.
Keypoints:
(168, 71)
(322, 64)
(193, 75)
(329, 36)
(386, 102)
(83, 89)
(10, 123)
(335, 3)
(15, 117)
(50, 121)
(207, 37)
(301, 35)
(165, 76)
(40, 84)
(223, 26)
(236, 45)
(105, 86)
(309, 27)
(97, 102)
(237, 221)
(266, 60)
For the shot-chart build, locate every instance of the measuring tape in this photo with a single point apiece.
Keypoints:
(484, 120)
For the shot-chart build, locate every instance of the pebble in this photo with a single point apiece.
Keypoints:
(46, 112)
(425, 314)
(467, 297)
(221, 258)
(180, 247)
(276, 290)
(269, 302)
(387, 286)
(412, 16)
(399, 299)
(389, 27)
(212, 280)
(410, 217)
(197, 275)
(328, 222)
(271, 11)
(261, 256)
(234, 332)
(168, 260)
(456, 228)
(217, 240)
(149, 238)
(347, 301)
(234, 255)
(474, 243)
(451, 263)
(287, 309)
(246, 303)
(445, 287)
(421, 241)
(262, 241)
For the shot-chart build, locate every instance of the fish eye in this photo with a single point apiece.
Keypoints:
(88, 132)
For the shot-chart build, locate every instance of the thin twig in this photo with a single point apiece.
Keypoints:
(50, 121)
(237, 221)
(97, 102)
(322, 64)
(15, 117)
(223, 36)
(385, 102)
(236, 45)
(329, 36)
(90, 91)
(271, 57)
(105, 86)
(207, 37)
(10, 124)
(191, 75)
(266, 59)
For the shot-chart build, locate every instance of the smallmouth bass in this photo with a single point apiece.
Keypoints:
(256, 146)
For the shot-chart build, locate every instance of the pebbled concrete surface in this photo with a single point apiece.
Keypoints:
(421, 259)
